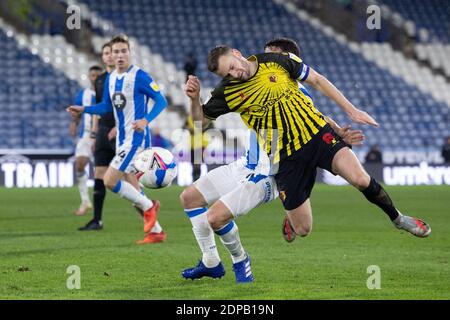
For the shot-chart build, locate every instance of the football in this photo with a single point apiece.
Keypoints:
(156, 168)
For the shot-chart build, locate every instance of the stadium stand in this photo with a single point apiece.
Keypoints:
(33, 96)
(173, 28)
(431, 15)
(430, 28)
(163, 32)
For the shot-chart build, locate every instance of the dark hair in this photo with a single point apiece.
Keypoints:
(214, 55)
(121, 38)
(285, 44)
(95, 68)
(106, 45)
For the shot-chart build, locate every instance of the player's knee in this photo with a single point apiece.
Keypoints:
(361, 181)
(80, 167)
(187, 198)
(215, 220)
(303, 230)
(109, 183)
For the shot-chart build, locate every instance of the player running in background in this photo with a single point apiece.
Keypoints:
(241, 185)
(83, 151)
(294, 133)
(104, 132)
(126, 93)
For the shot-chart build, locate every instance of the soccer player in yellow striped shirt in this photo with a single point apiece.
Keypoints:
(263, 89)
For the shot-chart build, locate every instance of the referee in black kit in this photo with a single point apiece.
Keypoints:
(104, 132)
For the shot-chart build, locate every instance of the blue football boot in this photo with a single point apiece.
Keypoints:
(243, 271)
(201, 270)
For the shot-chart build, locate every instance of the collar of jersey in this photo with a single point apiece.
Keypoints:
(121, 75)
(253, 58)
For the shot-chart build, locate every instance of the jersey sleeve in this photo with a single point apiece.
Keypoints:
(294, 65)
(147, 86)
(79, 99)
(216, 105)
(105, 105)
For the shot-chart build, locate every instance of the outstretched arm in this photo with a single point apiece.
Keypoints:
(322, 84)
(100, 108)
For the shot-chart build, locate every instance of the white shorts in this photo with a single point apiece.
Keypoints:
(124, 159)
(249, 194)
(84, 147)
(238, 187)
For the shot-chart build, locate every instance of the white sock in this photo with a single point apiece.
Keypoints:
(204, 236)
(156, 228)
(229, 235)
(127, 191)
(82, 187)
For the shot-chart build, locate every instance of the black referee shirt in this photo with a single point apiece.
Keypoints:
(107, 120)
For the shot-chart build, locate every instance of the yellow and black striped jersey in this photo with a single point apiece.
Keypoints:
(271, 103)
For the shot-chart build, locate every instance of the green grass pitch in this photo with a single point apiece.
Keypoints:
(39, 240)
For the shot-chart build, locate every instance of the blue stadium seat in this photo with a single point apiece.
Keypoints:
(31, 89)
(173, 28)
(433, 15)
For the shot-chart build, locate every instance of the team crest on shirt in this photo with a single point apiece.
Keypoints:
(283, 196)
(118, 100)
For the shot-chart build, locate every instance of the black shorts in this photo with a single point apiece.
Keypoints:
(296, 174)
(105, 150)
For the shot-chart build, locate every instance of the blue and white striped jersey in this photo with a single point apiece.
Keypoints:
(127, 95)
(85, 97)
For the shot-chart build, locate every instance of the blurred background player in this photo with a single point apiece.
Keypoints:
(446, 150)
(126, 93)
(83, 151)
(104, 131)
(374, 155)
(198, 144)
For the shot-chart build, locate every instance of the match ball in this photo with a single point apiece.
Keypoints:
(156, 168)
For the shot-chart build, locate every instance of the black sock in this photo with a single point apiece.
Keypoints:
(99, 198)
(377, 195)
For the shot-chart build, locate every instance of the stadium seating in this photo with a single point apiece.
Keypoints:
(430, 26)
(165, 31)
(174, 28)
(33, 96)
(431, 15)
